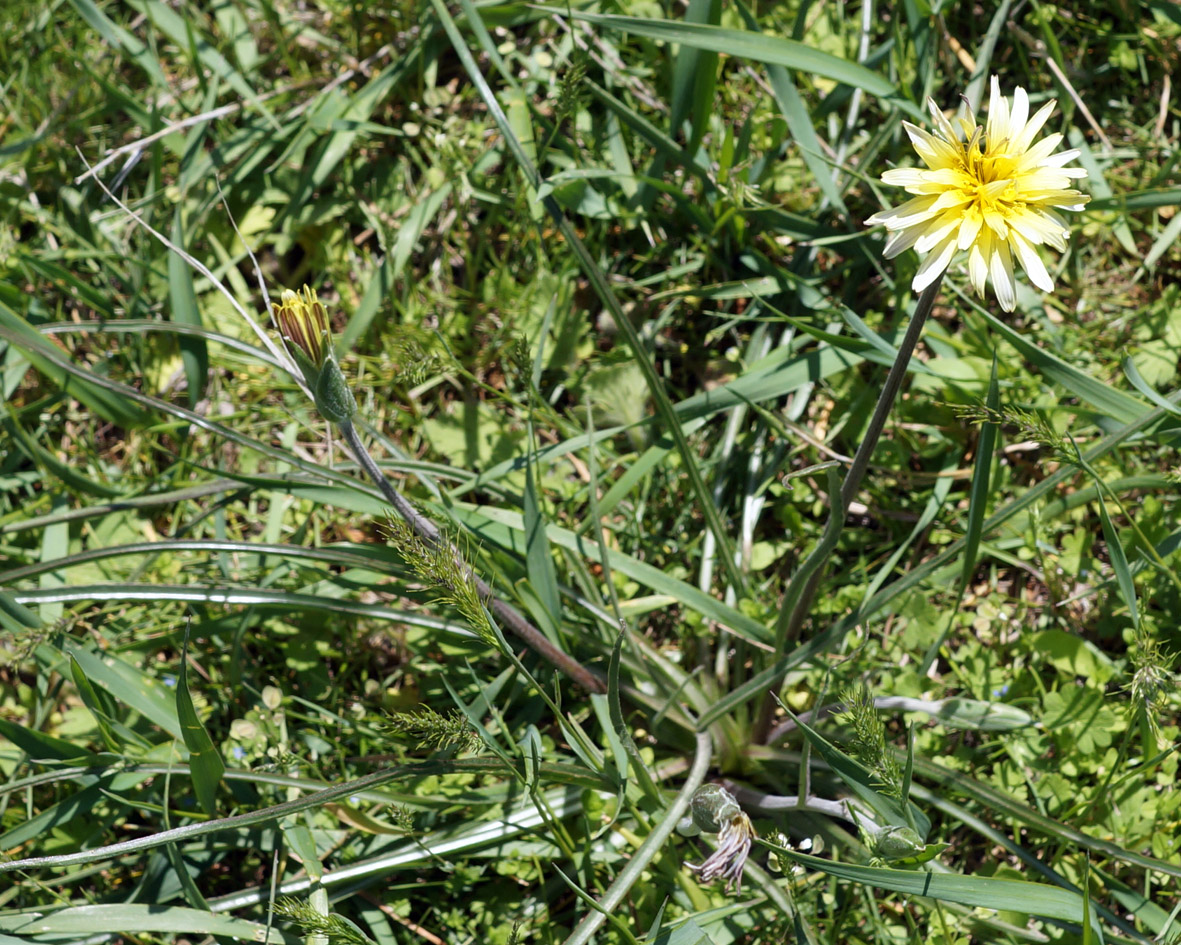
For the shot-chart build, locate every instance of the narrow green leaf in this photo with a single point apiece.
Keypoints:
(134, 918)
(1034, 494)
(666, 148)
(622, 732)
(183, 309)
(180, 31)
(978, 494)
(539, 560)
(1101, 190)
(1133, 375)
(936, 502)
(42, 747)
(1137, 200)
(800, 123)
(64, 812)
(49, 463)
(284, 601)
(694, 78)
(192, 894)
(984, 892)
(117, 37)
(1119, 562)
(302, 843)
(16, 618)
(1087, 918)
(43, 354)
(1164, 242)
(91, 700)
(758, 47)
(128, 685)
(506, 527)
(598, 279)
(378, 292)
(205, 762)
(1003, 805)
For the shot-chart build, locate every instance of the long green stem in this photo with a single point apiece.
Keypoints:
(429, 532)
(798, 597)
(629, 875)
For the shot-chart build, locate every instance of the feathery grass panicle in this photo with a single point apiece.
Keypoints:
(868, 741)
(335, 928)
(1152, 683)
(992, 192)
(440, 565)
(434, 730)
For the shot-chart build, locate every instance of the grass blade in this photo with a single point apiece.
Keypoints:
(205, 762)
(757, 47)
(978, 494)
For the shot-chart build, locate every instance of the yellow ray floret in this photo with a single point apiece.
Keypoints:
(990, 191)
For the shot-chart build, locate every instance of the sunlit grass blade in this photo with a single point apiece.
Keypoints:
(800, 123)
(1112, 402)
(1011, 509)
(506, 528)
(757, 47)
(1003, 804)
(694, 78)
(1035, 899)
(180, 31)
(112, 733)
(538, 556)
(1133, 375)
(282, 601)
(136, 918)
(381, 284)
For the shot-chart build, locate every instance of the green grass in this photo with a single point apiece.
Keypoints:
(602, 290)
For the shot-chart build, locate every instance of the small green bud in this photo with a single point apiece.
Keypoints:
(712, 807)
(334, 399)
(896, 843)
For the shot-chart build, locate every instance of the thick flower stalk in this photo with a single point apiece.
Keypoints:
(990, 191)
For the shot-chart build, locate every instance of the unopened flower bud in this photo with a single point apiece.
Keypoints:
(303, 323)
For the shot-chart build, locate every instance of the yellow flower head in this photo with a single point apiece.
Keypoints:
(303, 323)
(992, 192)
